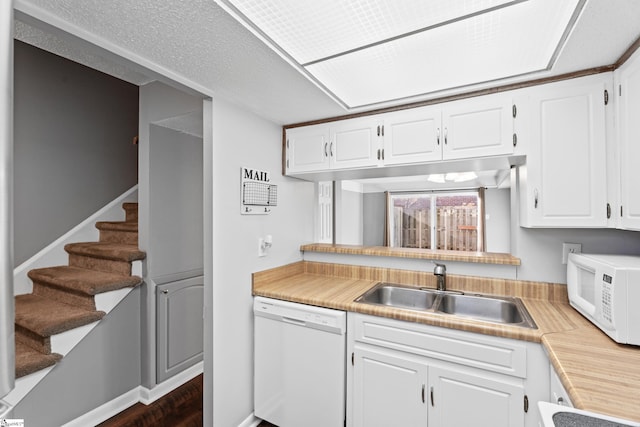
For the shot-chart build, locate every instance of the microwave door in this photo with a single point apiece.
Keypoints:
(585, 291)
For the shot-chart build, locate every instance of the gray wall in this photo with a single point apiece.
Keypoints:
(175, 186)
(373, 207)
(103, 366)
(73, 151)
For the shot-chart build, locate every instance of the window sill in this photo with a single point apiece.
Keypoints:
(439, 255)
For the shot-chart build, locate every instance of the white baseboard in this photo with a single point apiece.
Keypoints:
(139, 394)
(148, 396)
(250, 421)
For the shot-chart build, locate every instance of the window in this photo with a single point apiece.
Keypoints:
(436, 220)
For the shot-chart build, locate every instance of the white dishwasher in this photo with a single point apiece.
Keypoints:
(299, 364)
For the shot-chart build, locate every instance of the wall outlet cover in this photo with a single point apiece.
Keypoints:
(570, 248)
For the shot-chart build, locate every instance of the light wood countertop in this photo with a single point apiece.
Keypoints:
(599, 375)
(438, 255)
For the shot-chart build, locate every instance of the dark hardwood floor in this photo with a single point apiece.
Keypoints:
(180, 408)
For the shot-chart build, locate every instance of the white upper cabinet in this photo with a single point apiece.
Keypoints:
(354, 143)
(307, 148)
(336, 145)
(465, 129)
(478, 127)
(628, 91)
(413, 136)
(564, 183)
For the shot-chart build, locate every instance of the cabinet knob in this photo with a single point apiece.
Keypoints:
(165, 292)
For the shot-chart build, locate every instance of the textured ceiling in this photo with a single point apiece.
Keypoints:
(199, 41)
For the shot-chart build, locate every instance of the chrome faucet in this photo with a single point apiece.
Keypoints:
(440, 271)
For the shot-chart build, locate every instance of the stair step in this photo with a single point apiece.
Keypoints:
(46, 317)
(106, 250)
(118, 232)
(82, 280)
(129, 227)
(29, 360)
(77, 286)
(104, 256)
(131, 211)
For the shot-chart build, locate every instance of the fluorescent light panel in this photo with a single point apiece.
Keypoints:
(373, 51)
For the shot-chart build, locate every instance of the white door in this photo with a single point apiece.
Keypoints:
(413, 136)
(478, 127)
(629, 139)
(566, 160)
(388, 389)
(7, 352)
(355, 143)
(460, 398)
(307, 148)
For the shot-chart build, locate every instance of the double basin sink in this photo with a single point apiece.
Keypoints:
(503, 310)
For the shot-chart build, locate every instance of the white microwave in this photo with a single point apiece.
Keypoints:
(606, 290)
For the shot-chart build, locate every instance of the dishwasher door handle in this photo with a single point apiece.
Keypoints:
(294, 321)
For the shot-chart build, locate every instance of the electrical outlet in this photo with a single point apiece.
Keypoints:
(570, 248)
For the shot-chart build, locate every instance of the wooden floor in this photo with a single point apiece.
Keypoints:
(180, 408)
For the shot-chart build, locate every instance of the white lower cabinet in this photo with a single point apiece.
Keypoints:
(460, 397)
(409, 374)
(389, 389)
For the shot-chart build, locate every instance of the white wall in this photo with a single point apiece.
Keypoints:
(242, 139)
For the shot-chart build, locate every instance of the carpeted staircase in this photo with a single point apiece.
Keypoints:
(63, 297)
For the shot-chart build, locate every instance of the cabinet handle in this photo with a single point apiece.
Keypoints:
(383, 148)
(515, 139)
(382, 130)
(378, 130)
(331, 149)
(325, 149)
(535, 198)
(438, 136)
(422, 393)
(514, 111)
(431, 396)
(608, 211)
(378, 154)
(446, 134)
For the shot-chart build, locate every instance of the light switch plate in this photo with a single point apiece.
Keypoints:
(570, 248)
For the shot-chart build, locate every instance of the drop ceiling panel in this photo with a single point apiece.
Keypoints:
(484, 48)
(310, 30)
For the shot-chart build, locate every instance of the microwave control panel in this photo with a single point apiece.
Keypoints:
(607, 291)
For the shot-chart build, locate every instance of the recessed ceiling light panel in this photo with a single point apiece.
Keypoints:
(367, 52)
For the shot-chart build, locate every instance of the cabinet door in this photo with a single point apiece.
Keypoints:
(308, 149)
(478, 127)
(355, 143)
(388, 389)
(566, 178)
(629, 140)
(460, 398)
(413, 136)
(179, 332)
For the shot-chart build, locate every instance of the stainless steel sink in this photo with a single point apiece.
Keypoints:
(502, 310)
(400, 296)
